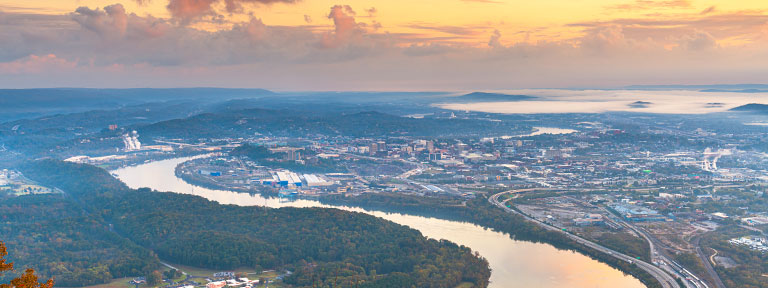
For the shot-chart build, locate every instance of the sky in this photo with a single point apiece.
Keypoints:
(393, 45)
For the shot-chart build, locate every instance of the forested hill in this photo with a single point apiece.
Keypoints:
(53, 235)
(301, 123)
(33, 103)
(752, 107)
(320, 245)
(491, 97)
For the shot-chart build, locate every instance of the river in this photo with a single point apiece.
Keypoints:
(513, 263)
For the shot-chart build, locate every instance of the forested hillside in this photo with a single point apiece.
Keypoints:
(295, 123)
(55, 236)
(320, 245)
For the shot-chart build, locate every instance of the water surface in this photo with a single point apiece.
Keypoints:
(513, 263)
(600, 101)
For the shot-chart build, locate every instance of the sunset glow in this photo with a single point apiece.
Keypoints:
(499, 43)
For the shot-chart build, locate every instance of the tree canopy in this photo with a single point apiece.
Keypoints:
(322, 246)
(27, 280)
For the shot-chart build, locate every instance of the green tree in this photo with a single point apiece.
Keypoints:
(154, 278)
(172, 274)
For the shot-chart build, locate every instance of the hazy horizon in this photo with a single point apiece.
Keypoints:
(378, 144)
(367, 45)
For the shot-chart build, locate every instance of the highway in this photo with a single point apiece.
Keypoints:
(705, 260)
(666, 280)
(658, 256)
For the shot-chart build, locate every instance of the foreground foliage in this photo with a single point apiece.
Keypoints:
(57, 237)
(26, 280)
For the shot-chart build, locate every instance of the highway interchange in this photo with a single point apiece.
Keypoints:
(664, 269)
(663, 273)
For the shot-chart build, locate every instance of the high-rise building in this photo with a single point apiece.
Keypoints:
(382, 145)
(293, 155)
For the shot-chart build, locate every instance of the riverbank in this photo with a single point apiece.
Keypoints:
(198, 181)
(480, 212)
(476, 212)
(515, 263)
(314, 243)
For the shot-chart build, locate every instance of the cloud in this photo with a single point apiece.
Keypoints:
(449, 29)
(697, 41)
(190, 10)
(346, 29)
(651, 4)
(112, 36)
(255, 29)
(604, 39)
(430, 49)
(372, 12)
(113, 47)
(114, 23)
(668, 30)
(235, 5)
(709, 9)
(495, 39)
(34, 64)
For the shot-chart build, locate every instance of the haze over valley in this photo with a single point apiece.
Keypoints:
(383, 144)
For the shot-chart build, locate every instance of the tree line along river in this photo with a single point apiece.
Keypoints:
(513, 263)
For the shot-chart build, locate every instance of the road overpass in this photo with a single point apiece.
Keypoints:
(666, 280)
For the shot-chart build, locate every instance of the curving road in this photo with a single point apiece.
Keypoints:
(707, 265)
(659, 256)
(663, 277)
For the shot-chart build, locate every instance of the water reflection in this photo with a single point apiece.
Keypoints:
(514, 263)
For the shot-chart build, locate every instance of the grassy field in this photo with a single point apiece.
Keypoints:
(116, 283)
(25, 189)
(198, 276)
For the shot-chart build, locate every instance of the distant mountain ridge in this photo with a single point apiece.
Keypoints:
(32, 103)
(65, 96)
(492, 97)
(640, 104)
(288, 122)
(752, 107)
(737, 91)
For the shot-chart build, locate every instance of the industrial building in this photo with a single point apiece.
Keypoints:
(589, 220)
(637, 213)
(291, 179)
(313, 180)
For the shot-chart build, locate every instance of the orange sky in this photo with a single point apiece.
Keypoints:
(392, 45)
(469, 21)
